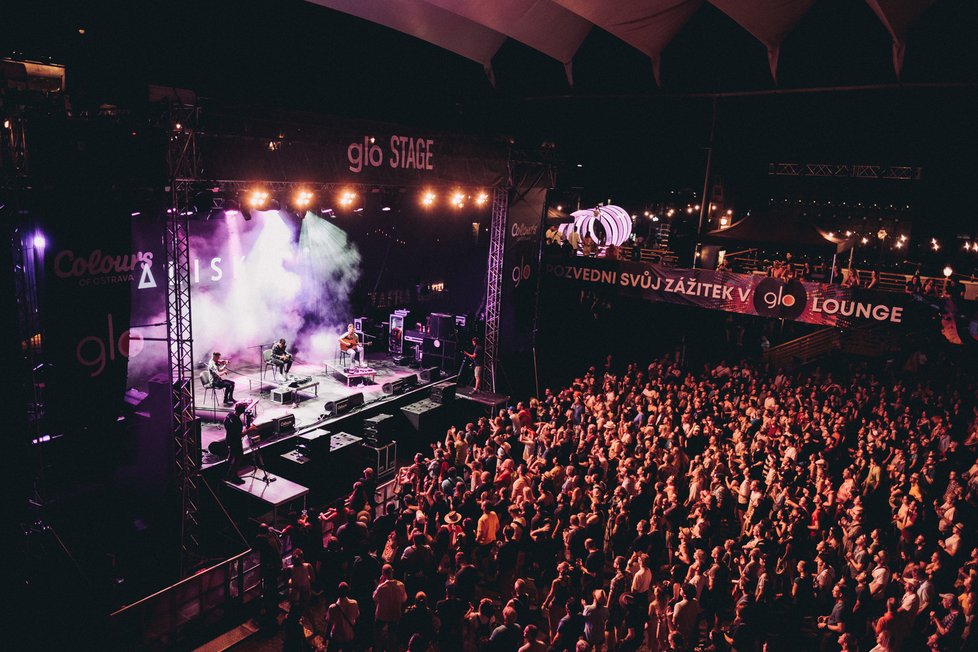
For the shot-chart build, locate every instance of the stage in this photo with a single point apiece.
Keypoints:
(307, 406)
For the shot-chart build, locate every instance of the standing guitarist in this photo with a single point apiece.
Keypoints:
(350, 342)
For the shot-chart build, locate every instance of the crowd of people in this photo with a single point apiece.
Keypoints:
(654, 507)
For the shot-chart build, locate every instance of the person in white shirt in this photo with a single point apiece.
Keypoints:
(218, 369)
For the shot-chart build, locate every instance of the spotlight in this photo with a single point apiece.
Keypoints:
(258, 199)
(386, 209)
(483, 198)
(458, 199)
(302, 200)
(39, 241)
(864, 240)
(559, 207)
(428, 198)
(948, 271)
(347, 197)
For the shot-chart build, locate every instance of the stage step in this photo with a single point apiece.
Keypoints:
(230, 638)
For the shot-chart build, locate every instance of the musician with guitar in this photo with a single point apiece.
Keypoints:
(350, 342)
(281, 357)
(219, 372)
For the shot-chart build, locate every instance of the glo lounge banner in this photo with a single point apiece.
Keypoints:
(815, 303)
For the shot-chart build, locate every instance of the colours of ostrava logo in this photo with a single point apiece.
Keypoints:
(783, 299)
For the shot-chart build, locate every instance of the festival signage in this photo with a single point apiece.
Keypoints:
(358, 153)
(523, 233)
(815, 303)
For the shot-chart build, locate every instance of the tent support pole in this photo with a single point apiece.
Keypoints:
(704, 202)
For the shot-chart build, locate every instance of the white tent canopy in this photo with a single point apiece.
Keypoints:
(476, 29)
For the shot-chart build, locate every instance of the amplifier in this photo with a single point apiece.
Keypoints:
(315, 443)
(379, 429)
(443, 393)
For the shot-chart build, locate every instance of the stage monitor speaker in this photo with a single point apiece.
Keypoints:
(441, 326)
(423, 416)
(429, 374)
(284, 424)
(398, 385)
(218, 448)
(343, 405)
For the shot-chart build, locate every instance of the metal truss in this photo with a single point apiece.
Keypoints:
(183, 163)
(859, 171)
(494, 282)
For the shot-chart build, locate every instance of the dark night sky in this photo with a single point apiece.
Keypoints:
(635, 141)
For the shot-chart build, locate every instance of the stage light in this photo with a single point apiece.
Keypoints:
(559, 207)
(302, 199)
(347, 197)
(899, 245)
(39, 241)
(258, 199)
(864, 240)
(848, 234)
(6, 124)
(458, 199)
(948, 271)
(670, 212)
(689, 209)
(428, 198)
(386, 209)
(724, 221)
(655, 218)
(483, 198)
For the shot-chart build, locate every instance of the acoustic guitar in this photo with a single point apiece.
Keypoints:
(347, 343)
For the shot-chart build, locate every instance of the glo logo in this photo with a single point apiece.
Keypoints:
(521, 272)
(776, 298)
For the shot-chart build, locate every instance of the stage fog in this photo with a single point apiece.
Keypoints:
(255, 281)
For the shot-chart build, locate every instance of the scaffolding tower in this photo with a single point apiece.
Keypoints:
(183, 167)
(494, 283)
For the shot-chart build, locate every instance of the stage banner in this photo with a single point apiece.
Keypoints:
(815, 303)
(521, 262)
(85, 302)
(358, 153)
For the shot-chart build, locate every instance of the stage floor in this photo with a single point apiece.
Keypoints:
(308, 412)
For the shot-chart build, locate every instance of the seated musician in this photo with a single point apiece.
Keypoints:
(349, 342)
(219, 372)
(281, 357)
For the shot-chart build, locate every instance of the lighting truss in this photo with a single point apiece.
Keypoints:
(857, 171)
(494, 282)
(184, 164)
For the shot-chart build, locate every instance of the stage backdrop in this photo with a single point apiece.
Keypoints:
(253, 282)
(815, 303)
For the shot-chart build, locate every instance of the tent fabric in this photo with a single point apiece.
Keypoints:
(428, 23)
(476, 29)
(899, 16)
(776, 226)
(770, 24)
(646, 25)
(521, 20)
